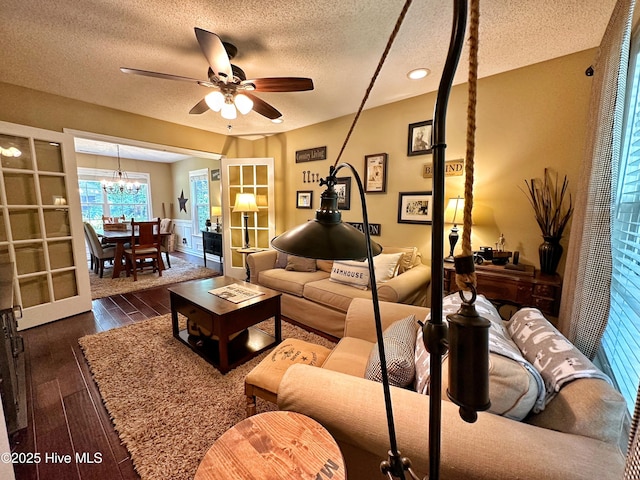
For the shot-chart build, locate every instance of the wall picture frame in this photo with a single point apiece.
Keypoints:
(304, 199)
(420, 138)
(343, 189)
(375, 173)
(415, 207)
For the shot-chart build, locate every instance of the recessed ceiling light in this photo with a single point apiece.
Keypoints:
(418, 73)
(277, 120)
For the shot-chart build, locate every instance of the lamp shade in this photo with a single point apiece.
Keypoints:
(216, 211)
(326, 237)
(245, 202)
(228, 111)
(454, 211)
(214, 100)
(243, 103)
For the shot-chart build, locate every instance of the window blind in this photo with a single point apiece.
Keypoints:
(621, 340)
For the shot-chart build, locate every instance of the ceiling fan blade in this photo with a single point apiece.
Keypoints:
(199, 108)
(281, 84)
(216, 55)
(263, 108)
(166, 76)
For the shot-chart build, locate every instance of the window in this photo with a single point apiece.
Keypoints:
(621, 341)
(96, 202)
(199, 181)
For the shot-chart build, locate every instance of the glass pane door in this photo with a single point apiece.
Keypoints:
(40, 224)
(246, 175)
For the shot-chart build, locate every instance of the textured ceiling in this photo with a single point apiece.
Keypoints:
(74, 48)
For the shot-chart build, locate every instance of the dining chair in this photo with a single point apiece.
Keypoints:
(145, 244)
(165, 227)
(100, 253)
(88, 240)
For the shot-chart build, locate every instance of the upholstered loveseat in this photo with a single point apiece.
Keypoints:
(314, 294)
(576, 436)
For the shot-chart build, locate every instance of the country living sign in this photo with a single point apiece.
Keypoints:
(452, 168)
(311, 154)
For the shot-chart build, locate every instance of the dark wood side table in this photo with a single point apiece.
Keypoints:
(193, 300)
(212, 243)
(496, 282)
(275, 446)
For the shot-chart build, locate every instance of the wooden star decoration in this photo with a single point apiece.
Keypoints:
(183, 202)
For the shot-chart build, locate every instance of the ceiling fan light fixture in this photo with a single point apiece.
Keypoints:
(278, 120)
(243, 103)
(228, 110)
(215, 100)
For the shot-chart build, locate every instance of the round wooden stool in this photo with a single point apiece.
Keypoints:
(274, 446)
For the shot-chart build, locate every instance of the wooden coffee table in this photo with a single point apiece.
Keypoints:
(193, 300)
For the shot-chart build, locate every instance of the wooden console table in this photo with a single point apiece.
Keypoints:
(496, 282)
(274, 446)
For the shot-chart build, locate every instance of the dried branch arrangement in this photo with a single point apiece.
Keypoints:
(547, 197)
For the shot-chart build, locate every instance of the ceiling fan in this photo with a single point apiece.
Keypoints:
(229, 82)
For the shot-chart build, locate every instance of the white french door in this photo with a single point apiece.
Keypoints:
(246, 175)
(41, 229)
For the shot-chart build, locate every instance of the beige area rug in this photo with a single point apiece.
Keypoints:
(168, 404)
(180, 271)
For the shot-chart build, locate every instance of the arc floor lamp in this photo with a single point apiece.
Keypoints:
(326, 237)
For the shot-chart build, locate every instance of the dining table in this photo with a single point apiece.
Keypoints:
(120, 238)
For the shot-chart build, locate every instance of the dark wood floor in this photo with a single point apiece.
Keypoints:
(66, 414)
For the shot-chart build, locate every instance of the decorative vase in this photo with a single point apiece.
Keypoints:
(550, 253)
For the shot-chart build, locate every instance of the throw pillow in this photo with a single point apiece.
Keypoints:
(300, 264)
(556, 358)
(514, 385)
(324, 265)
(386, 266)
(350, 272)
(408, 259)
(399, 345)
(281, 260)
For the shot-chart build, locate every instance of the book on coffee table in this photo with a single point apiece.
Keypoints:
(235, 293)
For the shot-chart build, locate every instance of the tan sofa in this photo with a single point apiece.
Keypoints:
(312, 299)
(586, 417)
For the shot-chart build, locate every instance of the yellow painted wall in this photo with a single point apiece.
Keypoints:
(527, 119)
(42, 110)
(180, 182)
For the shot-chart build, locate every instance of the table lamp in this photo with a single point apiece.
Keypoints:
(245, 203)
(451, 215)
(216, 211)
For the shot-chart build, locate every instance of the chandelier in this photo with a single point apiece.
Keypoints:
(120, 182)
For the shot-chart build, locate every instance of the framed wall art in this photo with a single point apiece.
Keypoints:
(419, 141)
(375, 173)
(304, 199)
(343, 189)
(415, 207)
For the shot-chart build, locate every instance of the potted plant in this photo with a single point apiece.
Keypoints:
(548, 198)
